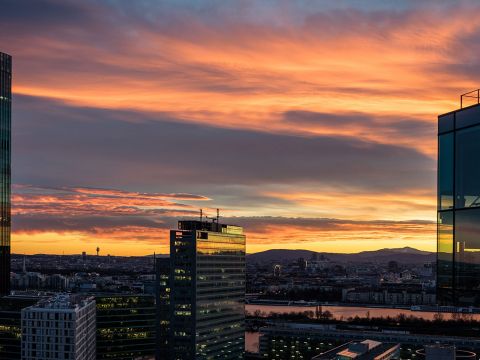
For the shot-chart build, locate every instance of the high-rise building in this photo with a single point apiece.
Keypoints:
(5, 138)
(458, 241)
(125, 326)
(162, 291)
(207, 280)
(62, 327)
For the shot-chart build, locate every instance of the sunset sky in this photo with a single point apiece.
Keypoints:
(310, 123)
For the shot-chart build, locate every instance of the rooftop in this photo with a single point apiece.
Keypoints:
(62, 301)
(212, 226)
(364, 350)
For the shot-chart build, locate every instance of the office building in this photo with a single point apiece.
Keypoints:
(11, 324)
(125, 326)
(162, 291)
(458, 243)
(207, 279)
(5, 147)
(61, 327)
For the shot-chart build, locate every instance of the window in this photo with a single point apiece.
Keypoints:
(467, 162)
(445, 256)
(445, 171)
(467, 256)
(445, 123)
(468, 117)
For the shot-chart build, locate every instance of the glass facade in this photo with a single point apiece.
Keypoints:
(5, 147)
(208, 291)
(125, 326)
(458, 238)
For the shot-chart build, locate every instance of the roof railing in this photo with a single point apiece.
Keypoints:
(475, 94)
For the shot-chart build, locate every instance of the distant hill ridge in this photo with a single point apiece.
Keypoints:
(401, 255)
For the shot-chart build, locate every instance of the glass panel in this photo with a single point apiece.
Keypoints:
(467, 256)
(467, 172)
(445, 123)
(445, 171)
(467, 117)
(445, 250)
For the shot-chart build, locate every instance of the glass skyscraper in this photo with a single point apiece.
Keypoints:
(458, 238)
(207, 294)
(5, 126)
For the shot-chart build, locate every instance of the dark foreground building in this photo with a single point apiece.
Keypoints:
(5, 137)
(207, 280)
(11, 324)
(162, 293)
(458, 244)
(125, 326)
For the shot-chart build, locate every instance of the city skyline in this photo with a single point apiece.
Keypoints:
(128, 117)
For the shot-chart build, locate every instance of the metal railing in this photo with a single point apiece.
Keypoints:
(475, 94)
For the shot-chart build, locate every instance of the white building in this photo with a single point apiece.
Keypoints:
(62, 327)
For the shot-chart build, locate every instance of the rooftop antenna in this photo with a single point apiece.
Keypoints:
(201, 215)
(218, 215)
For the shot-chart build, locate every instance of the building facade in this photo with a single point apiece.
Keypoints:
(62, 327)
(125, 326)
(207, 302)
(458, 241)
(5, 150)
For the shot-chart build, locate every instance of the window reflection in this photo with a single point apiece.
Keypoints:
(467, 162)
(445, 171)
(467, 256)
(445, 249)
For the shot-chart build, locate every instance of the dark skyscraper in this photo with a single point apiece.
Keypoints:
(5, 126)
(125, 326)
(458, 244)
(162, 291)
(207, 279)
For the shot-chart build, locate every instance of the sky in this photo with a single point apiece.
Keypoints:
(310, 123)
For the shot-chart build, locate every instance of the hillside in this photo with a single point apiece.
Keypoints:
(401, 255)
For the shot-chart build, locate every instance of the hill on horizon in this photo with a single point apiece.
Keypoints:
(401, 255)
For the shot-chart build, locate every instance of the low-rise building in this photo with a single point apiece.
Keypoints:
(363, 350)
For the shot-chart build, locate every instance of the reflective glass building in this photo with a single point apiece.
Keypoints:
(458, 239)
(207, 302)
(5, 126)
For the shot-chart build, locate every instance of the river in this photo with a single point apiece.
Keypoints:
(338, 313)
(344, 312)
